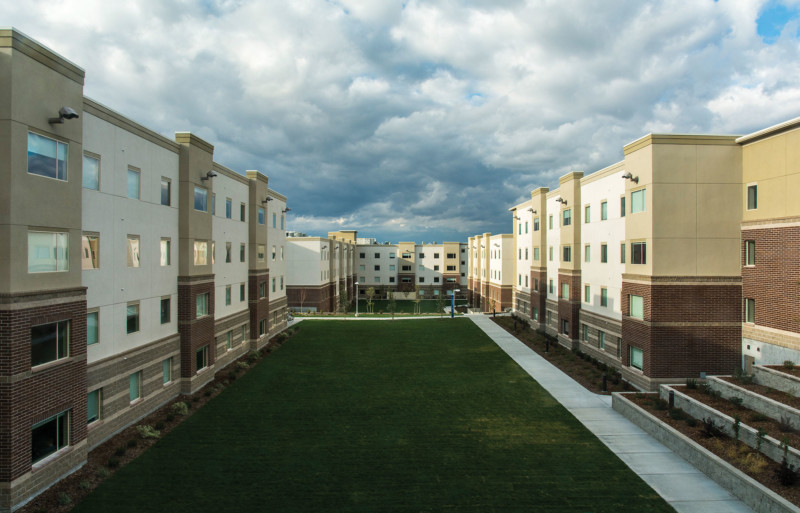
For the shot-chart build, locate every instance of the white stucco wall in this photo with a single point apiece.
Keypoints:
(235, 231)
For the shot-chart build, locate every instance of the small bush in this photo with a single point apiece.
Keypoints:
(180, 408)
(64, 499)
(102, 473)
(147, 431)
(736, 401)
(787, 474)
(784, 425)
(742, 377)
(283, 337)
(660, 404)
(133, 443)
(120, 451)
(755, 463)
(691, 383)
(242, 365)
(85, 485)
(788, 365)
(253, 356)
(113, 462)
(710, 430)
(676, 414)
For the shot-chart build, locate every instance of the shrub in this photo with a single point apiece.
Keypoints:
(102, 473)
(180, 408)
(787, 475)
(64, 499)
(253, 356)
(742, 377)
(691, 383)
(788, 365)
(283, 337)
(242, 365)
(113, 462)
(133, 442)
(660, 404)
(736, 401)
(784, 425)
(755, 463)
(147, 431)
(120, 451)
(676, 414)
(85, 485)
(710, 430)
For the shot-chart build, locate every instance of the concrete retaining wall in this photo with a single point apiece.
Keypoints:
(762, 404)
(748, 490)
(777, 380)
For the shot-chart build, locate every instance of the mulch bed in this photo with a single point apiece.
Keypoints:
(581, 367)
(754, 464)
(127, 445)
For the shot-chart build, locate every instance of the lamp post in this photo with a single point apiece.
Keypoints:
(453, 303)
(356, 299)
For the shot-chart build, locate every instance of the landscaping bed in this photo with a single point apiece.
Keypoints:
(767, 472)
(581, 367)
(129, 444)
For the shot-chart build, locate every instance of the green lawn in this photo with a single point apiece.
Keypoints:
(411, 416)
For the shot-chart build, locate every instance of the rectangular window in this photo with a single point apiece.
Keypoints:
(435, 268)
(282, 221)
(565, 290)
(552, 288)
(587, 214)
(135, 386)
(134, 179)
(49, 436)
(551, 222)
(262, 216)
(519, 231)
(622, 253)
(422, 255)
(619, 347)
(638, 201)
(241, 252)
(241, 292)
(378, 267)
(536, 284)
(281, 282)
(405, 255)
(262, 249)
(47, 157)
(637, 358)
(363, 267)
(603, 210)
(200, 252)
(601, 339)
(49, 342)
(132, 319)
(451, 268)
(567, 218)
(377, 279)
(133, 254)
(750, 310)
(604, 297)
(244, 334)
(273, 284)
(565, 326)
(166, 252)
(201, 358)
(526, 255)
(638, 252)
(526, 226)
(200, 199)
(274, 252)
(585, 332)
(262, 327)
(166, 192)
(213, 204)
(92, 328)
(166, 371)
(274, 224)
(242, 208)
(603, 253)
(90, 251)
(622, 206)
(636, 306)
(536, 224)
(201, 305)
(262, 290)
(750, 252)
(48, 252)
(91, 173)
(536, 253)
(93, 406)
(165, 310)
(752, 197)
(436, 255)
(228, 208)
(228, 248)
(227, 295)
(362, 255)
(551, 253)
(587, 294)
(567, 253)
(587, 253)
(451, 255)
(229, 340)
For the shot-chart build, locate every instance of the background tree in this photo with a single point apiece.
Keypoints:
(417, 299)
(302, 298)
(370, 296)
(392, 302)
(440, 304)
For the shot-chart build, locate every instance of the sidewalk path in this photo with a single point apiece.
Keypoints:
(683, 486)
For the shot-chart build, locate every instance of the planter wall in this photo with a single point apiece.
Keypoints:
(776, 379)
(747, 489)
(762, 404)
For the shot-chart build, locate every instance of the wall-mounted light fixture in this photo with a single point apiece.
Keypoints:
(209, 175)
(63, 113)
(629, 176)
(517, 218)
(266, 200)
(287, 209)
(561, 200)
(532, 211)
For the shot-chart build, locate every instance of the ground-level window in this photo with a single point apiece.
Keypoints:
(201, 358)
(166, 371)
(135, 386)
(93, 405)
(262, 327)
(49, 342)
(585, 332)
(637, 358)
(49, 436)
(601, 339)
(565, 326)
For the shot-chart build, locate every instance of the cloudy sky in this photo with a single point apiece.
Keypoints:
(425, 120)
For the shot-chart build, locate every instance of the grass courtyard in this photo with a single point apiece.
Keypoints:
(406, 416)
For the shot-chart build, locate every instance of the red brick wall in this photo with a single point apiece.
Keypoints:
(569, 309)
(195, 333)
(686, 330)
(538, 298)
(45, 393)
(773, 280)
(259, 307)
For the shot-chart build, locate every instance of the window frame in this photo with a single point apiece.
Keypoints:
(168, 183)
(60, 249)
(200, 193)
(59, 145)
(61, 347)
(639, 253)
(749, 253)
(133, 171)
(752, 196)
(135, 318)
(96, 313)
(96, 158)
(165, 300)
(63, 435)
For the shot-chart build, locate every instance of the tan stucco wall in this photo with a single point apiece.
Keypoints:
(773, 164)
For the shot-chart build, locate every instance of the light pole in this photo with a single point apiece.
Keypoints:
(356, 299)
(453, 303)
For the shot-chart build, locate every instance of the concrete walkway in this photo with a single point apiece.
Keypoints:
(683, 486)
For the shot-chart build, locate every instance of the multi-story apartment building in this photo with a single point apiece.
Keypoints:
(320, 272)
(133, 268)
(491, 271)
